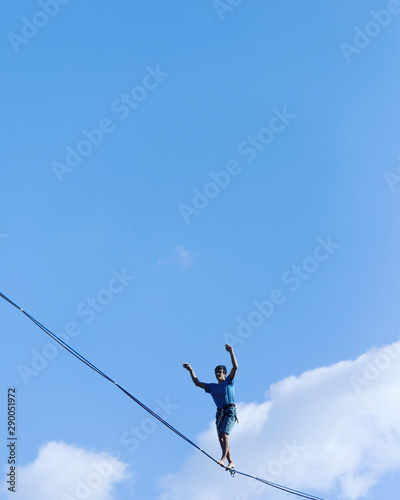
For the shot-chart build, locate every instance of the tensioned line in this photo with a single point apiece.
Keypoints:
(93, 367)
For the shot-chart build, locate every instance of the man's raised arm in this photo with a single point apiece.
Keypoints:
(193, 375)
(229, 348)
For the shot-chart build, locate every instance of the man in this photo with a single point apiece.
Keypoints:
(223, 396)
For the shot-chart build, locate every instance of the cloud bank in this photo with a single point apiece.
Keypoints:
(181, 257)
(67, 472)
(332, 430)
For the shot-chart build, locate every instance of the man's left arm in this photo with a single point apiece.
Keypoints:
(232, 374)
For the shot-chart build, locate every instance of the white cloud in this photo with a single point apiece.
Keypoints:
(183, 257)
(66, 472)
(331, 430)
(180, 256)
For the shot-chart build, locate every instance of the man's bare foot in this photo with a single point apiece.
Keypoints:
(231, 465)
(221, 462)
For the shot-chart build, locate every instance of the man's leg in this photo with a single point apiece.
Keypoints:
(224, 446)
(231, 465)
(226, 452)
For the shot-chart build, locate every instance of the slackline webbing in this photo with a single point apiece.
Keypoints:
(97, 370)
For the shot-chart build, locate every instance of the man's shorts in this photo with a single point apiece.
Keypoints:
(225, 420)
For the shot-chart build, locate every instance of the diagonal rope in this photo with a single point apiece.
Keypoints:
(97, 370)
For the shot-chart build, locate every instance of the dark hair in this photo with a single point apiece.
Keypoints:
(222, 367)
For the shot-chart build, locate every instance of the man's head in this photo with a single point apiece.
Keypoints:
(220, 373)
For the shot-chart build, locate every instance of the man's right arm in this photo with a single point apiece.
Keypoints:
(194, 378)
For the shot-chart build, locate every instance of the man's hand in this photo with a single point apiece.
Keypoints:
(229, 348)
(193, 375)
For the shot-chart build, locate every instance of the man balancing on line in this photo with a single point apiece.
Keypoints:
(222, 394)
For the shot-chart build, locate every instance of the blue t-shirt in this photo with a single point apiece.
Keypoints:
(222, 393)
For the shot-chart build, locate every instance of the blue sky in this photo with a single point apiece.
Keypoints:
(166, 166)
